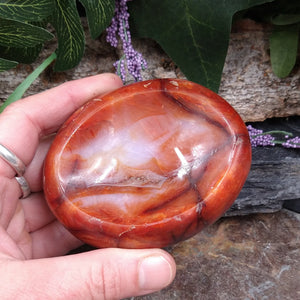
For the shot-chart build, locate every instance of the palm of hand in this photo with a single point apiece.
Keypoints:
(28, 227)
(29, 231)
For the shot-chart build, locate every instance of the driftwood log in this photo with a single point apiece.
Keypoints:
(248, 83)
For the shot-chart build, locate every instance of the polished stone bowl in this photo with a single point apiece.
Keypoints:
(147, 165)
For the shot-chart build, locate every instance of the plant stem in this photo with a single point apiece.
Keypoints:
(273, 132)
(25, 84)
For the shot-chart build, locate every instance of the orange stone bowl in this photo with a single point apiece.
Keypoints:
(147, 165)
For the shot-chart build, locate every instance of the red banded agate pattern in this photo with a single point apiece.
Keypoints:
(147, 165)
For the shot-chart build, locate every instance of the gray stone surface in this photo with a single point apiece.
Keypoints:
(273, 179)
(239, 258)
(269, 184)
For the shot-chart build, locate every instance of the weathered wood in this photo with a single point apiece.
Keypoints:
(248, 83)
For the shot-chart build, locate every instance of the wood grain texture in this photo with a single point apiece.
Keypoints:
(248, 83)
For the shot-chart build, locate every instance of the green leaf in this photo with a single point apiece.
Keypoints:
(99, 14)
(25, 84)
(269, 12)
(7, 64)
(26, 55)
(70, 34)
(19, 35)
(283, 49)
(25, 10)
(195, 34)
(285, 19)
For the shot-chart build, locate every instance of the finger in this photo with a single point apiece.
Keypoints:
(34, 171)
(9, 193)
(24, 122)
(99, 274)
(53, 240)
(50, 109)
(36, 231)
(36, 212)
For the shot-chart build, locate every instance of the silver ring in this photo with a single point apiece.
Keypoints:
(12, 160)
(24, 186)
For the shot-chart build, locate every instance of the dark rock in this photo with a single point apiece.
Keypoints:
(275, 173)
(293, 205)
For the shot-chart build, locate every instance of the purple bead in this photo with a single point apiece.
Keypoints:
(292, 143)
(135, 62)
(260, 138)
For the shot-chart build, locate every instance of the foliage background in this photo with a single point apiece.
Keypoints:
(195, 34)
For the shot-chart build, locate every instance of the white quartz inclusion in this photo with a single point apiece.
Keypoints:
(121, 156)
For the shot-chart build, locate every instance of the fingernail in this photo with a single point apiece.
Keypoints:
(155, 273)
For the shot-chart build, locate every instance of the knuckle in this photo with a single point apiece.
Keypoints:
(104, 282)
(11, 108)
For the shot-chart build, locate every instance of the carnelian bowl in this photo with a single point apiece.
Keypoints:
(147, 165)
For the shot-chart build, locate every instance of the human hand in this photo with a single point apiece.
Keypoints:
(32, 241)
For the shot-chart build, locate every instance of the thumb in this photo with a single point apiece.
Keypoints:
(99, 274)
